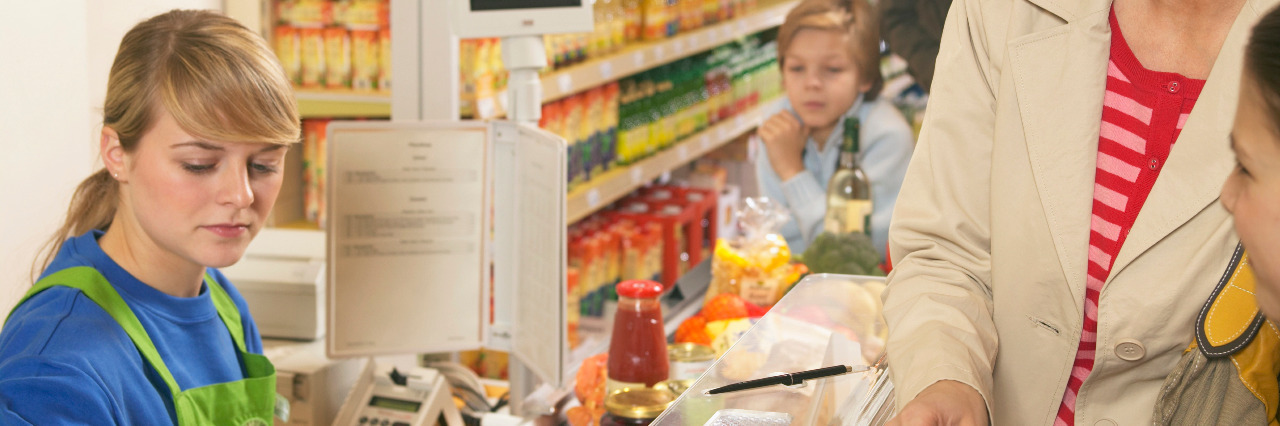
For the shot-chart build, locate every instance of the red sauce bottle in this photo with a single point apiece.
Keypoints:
(638, 347)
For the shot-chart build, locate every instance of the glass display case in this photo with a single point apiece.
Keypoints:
(824, 320)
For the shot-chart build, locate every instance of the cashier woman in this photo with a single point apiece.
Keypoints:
(130, 323)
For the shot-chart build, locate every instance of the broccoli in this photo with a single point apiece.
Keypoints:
(851, 254)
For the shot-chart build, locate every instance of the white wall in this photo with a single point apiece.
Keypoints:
(54, 59)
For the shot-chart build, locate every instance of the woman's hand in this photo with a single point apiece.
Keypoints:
(784, 137)
(944, 403)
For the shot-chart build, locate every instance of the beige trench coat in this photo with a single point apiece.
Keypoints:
(990, 234)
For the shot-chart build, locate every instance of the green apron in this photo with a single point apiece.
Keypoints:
(250, 401)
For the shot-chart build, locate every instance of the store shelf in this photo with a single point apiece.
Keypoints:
(622, 180)
(316, 103)
(637, 58)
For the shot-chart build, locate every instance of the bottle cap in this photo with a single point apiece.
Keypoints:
(639, 289)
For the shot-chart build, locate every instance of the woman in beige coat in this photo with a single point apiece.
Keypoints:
(991, 233)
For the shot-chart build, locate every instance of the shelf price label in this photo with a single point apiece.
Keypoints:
(706, 142)
(637, 175)
(678, 46)
(638, 57)
(722, 134)
(606, 71)
(742, 27)
(564, 82)
(693, 41)
(593, 199)
(659, 53)
(738, 123)
(683, 152)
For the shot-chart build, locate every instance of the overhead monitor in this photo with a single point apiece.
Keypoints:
(505, 18)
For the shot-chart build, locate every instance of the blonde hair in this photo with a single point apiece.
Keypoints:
(217, 79)
(854, 19)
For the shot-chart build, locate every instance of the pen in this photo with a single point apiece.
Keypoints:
(788, 379)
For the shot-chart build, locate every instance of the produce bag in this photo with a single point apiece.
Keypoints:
(756, 265)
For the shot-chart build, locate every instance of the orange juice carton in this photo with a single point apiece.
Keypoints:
(364, 59)
(337, 57)
(313, 59)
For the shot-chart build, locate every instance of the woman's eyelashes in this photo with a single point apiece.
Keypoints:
(260, 168)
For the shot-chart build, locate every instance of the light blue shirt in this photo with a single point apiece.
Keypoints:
(886, 146)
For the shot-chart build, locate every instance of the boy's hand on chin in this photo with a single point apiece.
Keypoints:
(784, 137)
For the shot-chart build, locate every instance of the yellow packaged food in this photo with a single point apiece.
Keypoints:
(288, 49)
(384, 59)
(337, 57)
(313, 61)
(364, 59)
(756, 266)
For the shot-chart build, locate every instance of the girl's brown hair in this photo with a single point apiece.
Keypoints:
(216, 78)
(854, 19)
(1262, 60)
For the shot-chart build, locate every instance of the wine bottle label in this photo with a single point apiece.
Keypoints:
(848, 216)
(857, 215)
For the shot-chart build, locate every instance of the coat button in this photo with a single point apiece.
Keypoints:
(1130, 350)
(1173, 87)
(1105, 422)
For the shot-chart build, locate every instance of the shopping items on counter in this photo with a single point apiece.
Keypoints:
(756, 265)
(638, 346)
(847, 254)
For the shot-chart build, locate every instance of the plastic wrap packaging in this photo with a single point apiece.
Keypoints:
(825, 320)
(757, 264)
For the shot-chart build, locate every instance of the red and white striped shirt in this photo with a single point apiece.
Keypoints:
(1142, 113)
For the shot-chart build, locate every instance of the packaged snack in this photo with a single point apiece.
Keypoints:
(309, 13)
(484, 80)
(288, 47)
(337, 57)
(364, 59)
(313, 60)
(313, 165)
(363, 14)
(384, 59)
(756, 265)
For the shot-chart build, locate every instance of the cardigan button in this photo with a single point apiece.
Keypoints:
(1130, 350)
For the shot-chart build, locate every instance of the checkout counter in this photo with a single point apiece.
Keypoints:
(811, 327)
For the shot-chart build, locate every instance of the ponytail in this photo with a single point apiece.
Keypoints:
(93, 205)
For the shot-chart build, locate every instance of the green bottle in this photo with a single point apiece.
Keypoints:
(849, 191)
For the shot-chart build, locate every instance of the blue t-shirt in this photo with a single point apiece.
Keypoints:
(64, 360)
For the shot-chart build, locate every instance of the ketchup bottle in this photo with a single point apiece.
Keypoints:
(638, 347)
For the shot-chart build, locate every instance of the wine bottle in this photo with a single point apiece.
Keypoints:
(849, 191)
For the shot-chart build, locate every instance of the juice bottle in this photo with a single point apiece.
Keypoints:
(384, 59)
(288, 48)
(609, 145)
(586, 135)
(364, 59)
(596, 128)
(572, 110)
(638, 346)
(655, 19)
(573, 310)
